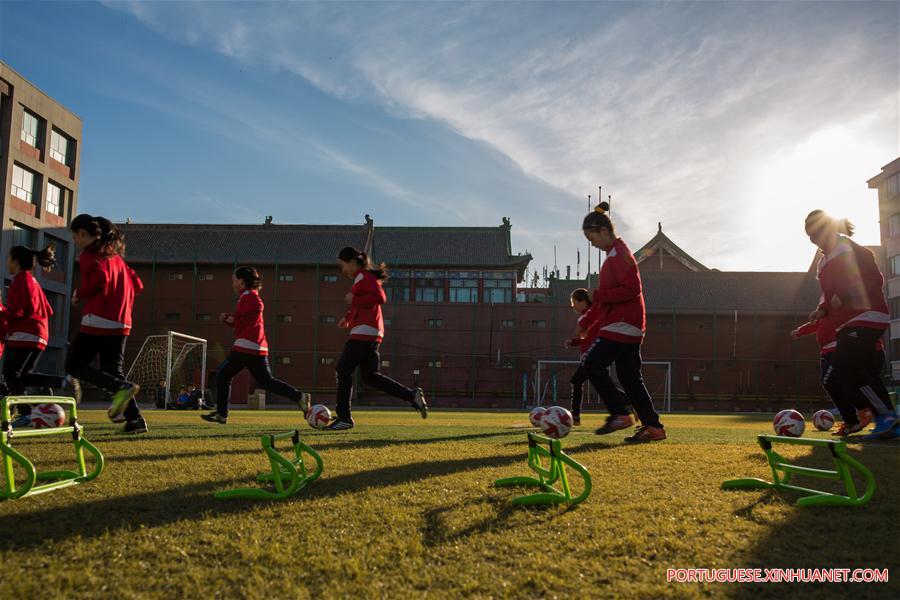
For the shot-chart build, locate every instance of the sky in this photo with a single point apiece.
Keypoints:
(726, 122)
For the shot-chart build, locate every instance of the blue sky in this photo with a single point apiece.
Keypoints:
(728, 122)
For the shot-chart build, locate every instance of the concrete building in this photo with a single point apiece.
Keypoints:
(40, 148)
(888, 185)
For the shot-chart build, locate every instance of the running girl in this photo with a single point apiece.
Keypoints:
(618, 307)
(366, 326)
(584, 334)
(106, 295)
(250, 350)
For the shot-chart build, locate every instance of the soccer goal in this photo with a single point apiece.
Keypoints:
(551, 382)
(177, 358)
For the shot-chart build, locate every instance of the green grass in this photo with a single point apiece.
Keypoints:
(405, 508)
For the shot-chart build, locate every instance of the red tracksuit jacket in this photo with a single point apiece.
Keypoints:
(249, 327)
(107, 291)
(849, 271)
(618, 304)
(588, 326)
(826, 335)
(364, 316)
(28, 313)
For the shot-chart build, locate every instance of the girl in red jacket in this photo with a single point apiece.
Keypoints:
(106, 296)
(366, 326)
(584, 336)
(853, 297)
(618, 308)
(250, 350)
(27, 331)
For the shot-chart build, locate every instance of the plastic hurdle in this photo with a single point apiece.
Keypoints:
(288, 475)
(548, 475)
(12, 457)
(782, 470)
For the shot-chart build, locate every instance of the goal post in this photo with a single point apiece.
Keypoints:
(177, 358)
(553, 375)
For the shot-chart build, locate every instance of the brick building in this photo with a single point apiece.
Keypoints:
(40, 145)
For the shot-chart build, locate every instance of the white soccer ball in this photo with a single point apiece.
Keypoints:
(319, 416)
(556, 423)
(47, 415)
(789, 422)
(536, 415)
(823, 420)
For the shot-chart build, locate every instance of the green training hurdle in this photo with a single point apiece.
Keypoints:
(782, 470)
(12, 457)
(288, 475)
(548, 475)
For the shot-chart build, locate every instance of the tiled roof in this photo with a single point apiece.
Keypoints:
(458, 246)
(661, 243)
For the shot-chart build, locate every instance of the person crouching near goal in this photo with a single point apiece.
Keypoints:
(366, 326)
(581, 302)
(106, 295)
(618, 306)
(250, 350)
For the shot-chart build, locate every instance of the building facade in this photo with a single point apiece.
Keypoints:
(39, 166)
(888, 185)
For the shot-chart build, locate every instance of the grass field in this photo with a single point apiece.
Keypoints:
(405, 508)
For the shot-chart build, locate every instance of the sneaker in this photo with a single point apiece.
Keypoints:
(215, 417)
(22, 421)
(884, 424)
(120, 419)
(121, 399)
(139, 425)
(419, 403)
(865, 417)
(576, 420)
(72, 388)
(615, 423)
(339, 425)
(305, 403)
(845, 429)
(646, 433)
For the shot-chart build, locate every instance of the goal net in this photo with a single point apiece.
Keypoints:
(552, 383)
(176, 358)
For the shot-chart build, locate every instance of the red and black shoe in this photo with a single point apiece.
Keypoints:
(645, 433)
(615, 423)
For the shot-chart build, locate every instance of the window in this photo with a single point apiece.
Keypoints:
(388, 321)
(62, 252)
(326, 360)
(464, 290)
(429, 290)
(893, 185)
(434, 322)
(434, 364)
(54, 199)
(59, 147)
(175, 276)
(329, 278)
(284, 360)
(498, 291)
(894, 308)
(539, 324)
(205, 277)
(664, 324)
(173, 316)
(22, 183)
(397, 289)
(385, 364)
(895, 348)
(284, 318)
(894, 225)
(22, 236)
(203, 317)
(285, 278)
(31, 129)
(327, 319)
(58, 304)
(895, 265)
(507, 323)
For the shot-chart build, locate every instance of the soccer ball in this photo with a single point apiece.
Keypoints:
(536, 415)
(556, 423)
(319, 416)
(823, 420)
(47, 415)
(789, 422)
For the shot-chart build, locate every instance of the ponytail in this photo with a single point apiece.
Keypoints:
(599, 219)
(250, 276)
(110, 240)
(26, 257)
(819, 219)
(351, 254)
